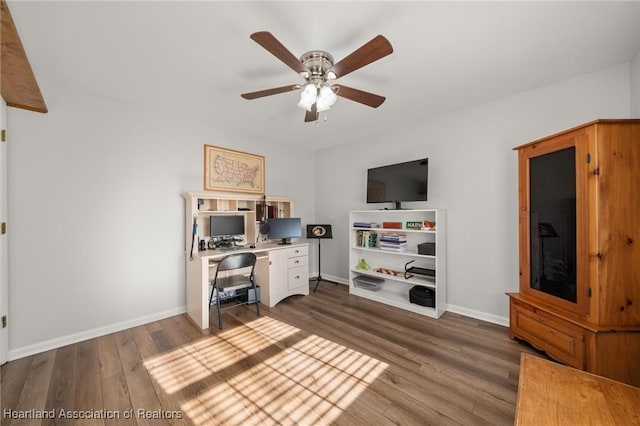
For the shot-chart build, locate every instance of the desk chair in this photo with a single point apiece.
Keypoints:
(228, 282)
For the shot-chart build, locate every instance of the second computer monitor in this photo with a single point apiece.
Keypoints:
(284, 228)
(226, 226)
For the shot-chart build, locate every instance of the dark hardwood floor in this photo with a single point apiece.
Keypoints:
(327, 358)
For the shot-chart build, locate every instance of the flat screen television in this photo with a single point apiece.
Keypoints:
(399, 182)
(284, 228)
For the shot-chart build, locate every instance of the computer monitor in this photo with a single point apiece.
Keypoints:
(284, 228)
(226, 226)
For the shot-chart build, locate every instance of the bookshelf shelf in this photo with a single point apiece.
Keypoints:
(394, 290)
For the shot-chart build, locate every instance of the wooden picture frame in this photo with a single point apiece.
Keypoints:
(235, 171)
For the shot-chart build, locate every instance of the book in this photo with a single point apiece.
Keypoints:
(392, 225)
(393, 237)
(365, 225)
(393, 243)
(361, 225)
(366, 238)
(393, 248)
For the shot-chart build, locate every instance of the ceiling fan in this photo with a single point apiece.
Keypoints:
(318, 69)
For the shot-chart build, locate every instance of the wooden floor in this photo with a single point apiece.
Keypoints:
(327, 358)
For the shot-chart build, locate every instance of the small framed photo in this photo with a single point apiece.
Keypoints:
(229, 170)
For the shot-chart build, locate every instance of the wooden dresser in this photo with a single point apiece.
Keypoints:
(579, 244)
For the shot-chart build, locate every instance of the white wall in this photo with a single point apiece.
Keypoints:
(635, 86)
(635, 78)
(472, 174)
(97, 215)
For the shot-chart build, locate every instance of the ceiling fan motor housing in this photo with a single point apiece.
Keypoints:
(318, 62)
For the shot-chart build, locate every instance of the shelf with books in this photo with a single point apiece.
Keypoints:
(396, 240)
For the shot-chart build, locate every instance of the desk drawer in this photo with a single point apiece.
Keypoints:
(298, 277)
(562, 340)
(298, 251)
(295, 262)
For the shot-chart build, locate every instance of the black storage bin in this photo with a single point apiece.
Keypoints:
(422, 296)
(428, 249)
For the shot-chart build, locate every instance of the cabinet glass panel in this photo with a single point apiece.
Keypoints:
(553, 223)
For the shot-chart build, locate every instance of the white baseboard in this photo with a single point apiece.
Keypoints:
(331, 278)
(90, 334)
(483, 316)
(495, 319)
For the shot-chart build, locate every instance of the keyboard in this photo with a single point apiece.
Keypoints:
(232, 248)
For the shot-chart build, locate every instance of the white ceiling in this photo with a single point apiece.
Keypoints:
(196, 57)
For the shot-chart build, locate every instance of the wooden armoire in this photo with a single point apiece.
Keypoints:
(579, 243)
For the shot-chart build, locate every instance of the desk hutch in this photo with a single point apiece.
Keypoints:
(281, 270)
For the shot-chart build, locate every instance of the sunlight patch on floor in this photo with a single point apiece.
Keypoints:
(196, 361)
(266, 372)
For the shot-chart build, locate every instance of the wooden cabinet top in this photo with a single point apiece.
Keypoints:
(553, 394)
(632, 121)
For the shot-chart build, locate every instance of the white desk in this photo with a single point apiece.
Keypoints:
(281, 271)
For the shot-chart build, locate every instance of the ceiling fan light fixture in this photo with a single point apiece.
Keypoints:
(308, 96)
(318, 69)
(326, 98)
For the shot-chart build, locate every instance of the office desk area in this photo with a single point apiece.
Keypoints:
(280, 271)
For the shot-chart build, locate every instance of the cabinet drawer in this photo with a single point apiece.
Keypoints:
(295, 262)
(298, 251)
(560, 339)
(298, 277)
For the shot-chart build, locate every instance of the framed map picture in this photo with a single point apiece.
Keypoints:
(229, 170)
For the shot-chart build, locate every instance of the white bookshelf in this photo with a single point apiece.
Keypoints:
(394, 290)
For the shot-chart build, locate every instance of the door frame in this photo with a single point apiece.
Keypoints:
(4, 262)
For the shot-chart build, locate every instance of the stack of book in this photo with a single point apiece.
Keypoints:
(365, 225)
(366, 238)
(393, 241)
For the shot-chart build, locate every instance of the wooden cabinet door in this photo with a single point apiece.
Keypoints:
(553, 202)
(278, 273)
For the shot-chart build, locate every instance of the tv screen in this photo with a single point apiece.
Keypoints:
(226, 226)
(284, 228)
(398, 182)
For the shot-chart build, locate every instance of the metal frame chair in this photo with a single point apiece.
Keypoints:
(221, 284)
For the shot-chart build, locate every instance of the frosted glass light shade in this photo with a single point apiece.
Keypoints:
(326, 99)
(308, 97)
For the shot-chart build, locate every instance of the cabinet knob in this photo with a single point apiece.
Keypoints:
(297, 261)
(297, 277)
(297, 251)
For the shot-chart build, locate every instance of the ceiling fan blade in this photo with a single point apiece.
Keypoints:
(269, 92)
(376, 48)
(311, 115)
(361, 96)
(277, 49)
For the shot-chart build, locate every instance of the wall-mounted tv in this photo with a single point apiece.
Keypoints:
(399, 182)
